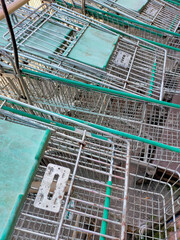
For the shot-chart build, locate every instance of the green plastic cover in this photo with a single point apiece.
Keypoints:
(48, 36)
(21, 148)
(94, 47)
(135, 5)
(3, 30)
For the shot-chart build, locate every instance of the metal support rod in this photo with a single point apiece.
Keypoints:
(16, 58)
(83, 6)
(70, 188)
(3, 4)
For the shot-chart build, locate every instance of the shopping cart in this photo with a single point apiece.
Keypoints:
(84, 47)
(91, 164)
(152, 202)
(140, 116)
(155, 35)
(172, 63)
(169, 40)
(156, 13)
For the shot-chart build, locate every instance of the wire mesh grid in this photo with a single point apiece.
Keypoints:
(91, 160)
(128, 25)
(172, 77)
(157, 13)
(133, 63)
(172, 64)
(165, 174)
(169, 40)
(153, 190)
(106, 107)
(15, 17)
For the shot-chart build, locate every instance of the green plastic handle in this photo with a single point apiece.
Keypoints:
(106, 212)
(152, 79)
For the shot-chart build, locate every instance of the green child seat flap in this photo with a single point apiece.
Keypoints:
(94, 47)
(3, 30)
(21, 149)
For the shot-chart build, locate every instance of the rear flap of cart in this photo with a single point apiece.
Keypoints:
(21, 149)
(94, 48)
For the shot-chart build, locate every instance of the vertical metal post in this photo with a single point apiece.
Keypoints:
(83, 6)
(125, 202)
(16, 58)
(70, 187)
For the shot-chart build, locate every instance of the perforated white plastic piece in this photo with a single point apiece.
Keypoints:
(52, 188)
(151, 11)
(122, 59)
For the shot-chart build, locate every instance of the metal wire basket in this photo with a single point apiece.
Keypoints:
(172, 64)
(156, 13)
(121, 62)
(140, 116)
(152, 202)
(169, 40)
(166, 39)
(91, 159)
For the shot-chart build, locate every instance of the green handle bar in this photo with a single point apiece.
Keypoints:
(106, 211)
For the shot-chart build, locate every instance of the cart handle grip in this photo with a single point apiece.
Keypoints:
(106, 212)
(13, 7)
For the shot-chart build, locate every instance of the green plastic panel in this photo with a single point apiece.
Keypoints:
(94, 48)
(49, 43)
(3, 30)
(135, 5)
(21, 148)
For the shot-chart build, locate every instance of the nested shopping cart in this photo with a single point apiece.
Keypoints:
(60, 38)
(164, 38)
(84, 171)
(140, 116)
(172, 63)
(89, 209)
(169, 40)
(156, 13)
